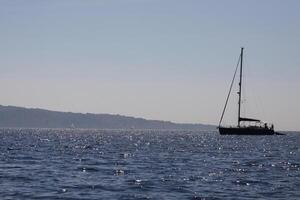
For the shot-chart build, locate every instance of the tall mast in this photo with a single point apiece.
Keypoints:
(240, 86)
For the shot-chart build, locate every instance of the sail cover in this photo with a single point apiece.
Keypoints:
(249, 119)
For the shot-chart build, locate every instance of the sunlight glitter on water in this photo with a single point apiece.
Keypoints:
(131, 164)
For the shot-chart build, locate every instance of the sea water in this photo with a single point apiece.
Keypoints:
(147, 164)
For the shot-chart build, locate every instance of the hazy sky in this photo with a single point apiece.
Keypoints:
(157, 59)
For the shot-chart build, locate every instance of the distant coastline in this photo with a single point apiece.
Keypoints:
(20, 117)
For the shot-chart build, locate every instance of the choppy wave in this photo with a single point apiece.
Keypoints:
(132, 164)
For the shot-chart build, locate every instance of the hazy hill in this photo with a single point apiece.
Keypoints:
(11, 116)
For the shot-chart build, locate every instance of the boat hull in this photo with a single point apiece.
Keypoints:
(245, 131)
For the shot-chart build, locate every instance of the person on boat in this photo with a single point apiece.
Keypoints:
(266, 125)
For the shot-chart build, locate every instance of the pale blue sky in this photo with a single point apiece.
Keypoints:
(158, 59)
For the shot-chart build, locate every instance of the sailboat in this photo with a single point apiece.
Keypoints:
(245, 126)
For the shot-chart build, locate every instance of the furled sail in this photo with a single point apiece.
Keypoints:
(249, 119)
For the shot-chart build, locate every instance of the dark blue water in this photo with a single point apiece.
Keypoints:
(104, 164)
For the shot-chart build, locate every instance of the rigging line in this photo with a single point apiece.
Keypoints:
(237, 66)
